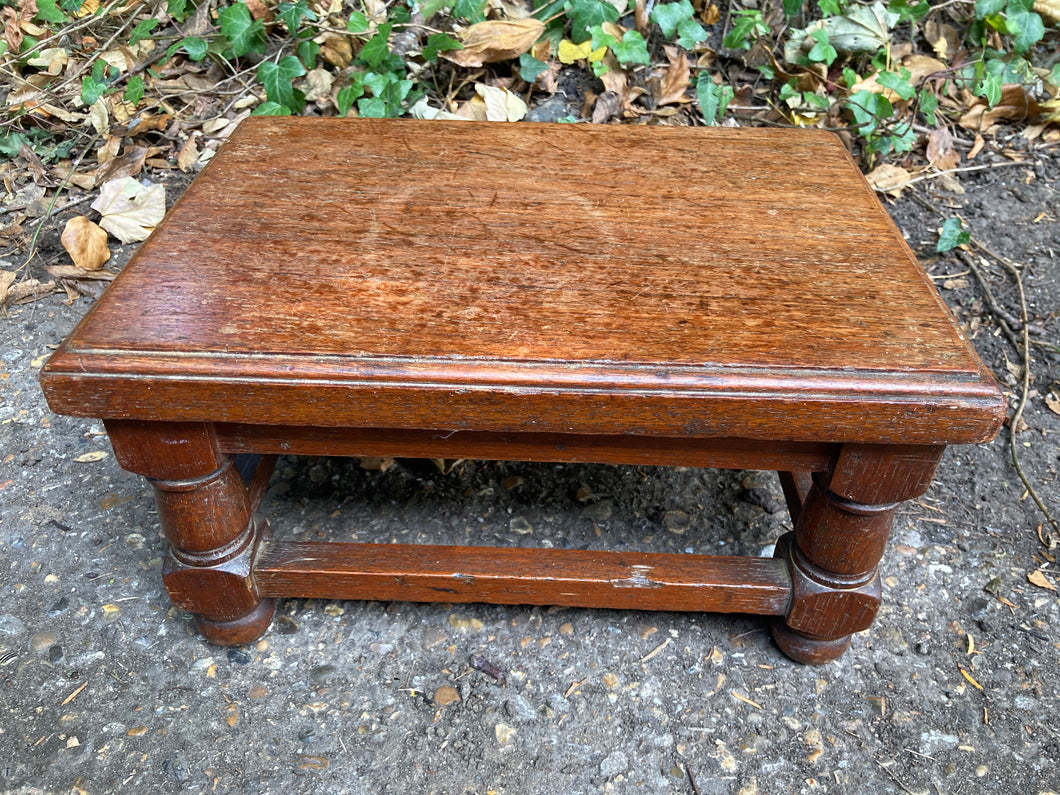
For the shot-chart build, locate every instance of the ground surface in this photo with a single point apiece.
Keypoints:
(104, 687)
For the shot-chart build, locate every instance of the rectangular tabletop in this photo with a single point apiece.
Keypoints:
(690, 282)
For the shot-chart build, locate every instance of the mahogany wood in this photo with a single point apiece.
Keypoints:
(644, 295)
(421, 573)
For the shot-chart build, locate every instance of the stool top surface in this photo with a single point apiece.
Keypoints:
(641, 272)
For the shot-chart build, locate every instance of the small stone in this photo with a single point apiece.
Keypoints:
(512, 482)
(55, 653)
(677, 521)
(504, 733)
(614, 763)
(41, 641)
(202, 664)
(137, 731)
(286, 625)
(980, 771)
(257, 692)
(519, 709)
(51, 578)
(239, 656)
(58, 607)
(462, 624)
(323, 674)
(519, 525)
(134, 541)
(72, 742)
(566, 629)
(334, 609)
(446, 695)
(610, 680)
(111, 613)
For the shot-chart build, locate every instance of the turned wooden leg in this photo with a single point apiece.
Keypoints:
(205, 510)
(841, 531)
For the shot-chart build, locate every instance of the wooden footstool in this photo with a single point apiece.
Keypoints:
(637, 295)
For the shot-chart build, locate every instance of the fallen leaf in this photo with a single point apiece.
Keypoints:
(863, 29)
(189, 153)
(7, 278)
(91, 458)
(1037, 577)
(607, 105)
(1049, 10)
(1015, 105)
(497, 104)
(568, 52)
(670, 89)
(337, 51)
(128, 164)
(710, 15)
(130, 210)
(943, 38)
(1052, 401)
(86, 243)
(495, 40)
(888, 178)
(920, 67)
(318, 84)
(940, 151)
(27, 290)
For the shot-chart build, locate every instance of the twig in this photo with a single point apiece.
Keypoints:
(1024, 347)
(1024, 391)
(988, 295)
(937, 174)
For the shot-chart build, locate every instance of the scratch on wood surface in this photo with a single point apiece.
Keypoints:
(638, 578)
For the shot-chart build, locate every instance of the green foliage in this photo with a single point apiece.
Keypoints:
(245, 34)
(747, 26)
(142, 30)
(530, 67)
(277, 79)
(49, 12)
(92, 85)
(679, 20)
(440, 42)
(953, 234)
(134, 90)
(822, 51)
(584, 15)
(470, 10)
(713, 99)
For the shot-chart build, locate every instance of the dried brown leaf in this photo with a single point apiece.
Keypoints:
(86, 243)
(495, 40)
(940, 151)
(641, 21)
(189, 153)
(1037, 577)
(607, 105)
(888, 178)
(128, 164)
(710, 15)
(1049, 10)
(7, 278)
(28, 290)
(921, 66)
(943, 38)
(1015, 105)
(670, 89)
(336, 50)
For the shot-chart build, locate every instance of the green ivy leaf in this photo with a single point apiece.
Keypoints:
(929, 103)
(142, 30)
(178, 9)
(953, 234)
(868, 109)
(585, 14)
(371, 108)
(632, 49)
(347, 95)
(134, 91)
(909, 12)
(358, 23)
(432, 7)
(690, 33)
(471, 10)
(92, 85)
(1054, 76)
(270, 108)
(292, 15)
(307, 53)
(530, 67)
(713, 99)
(244, 33)
(70, 6)
(1026, 27)
(277, 77)
(440, 42)
(830, 8)
(195, 47)
(986, 8)
(11, 143)
(669, 15)
(897, 82)
(990, 89)
(49, 12)
(822, 51)
(793, 7)
(376, 50)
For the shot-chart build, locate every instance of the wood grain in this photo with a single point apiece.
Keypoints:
(686, 282)
(413, 573)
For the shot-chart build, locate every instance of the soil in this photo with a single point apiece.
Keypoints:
(105, 687)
